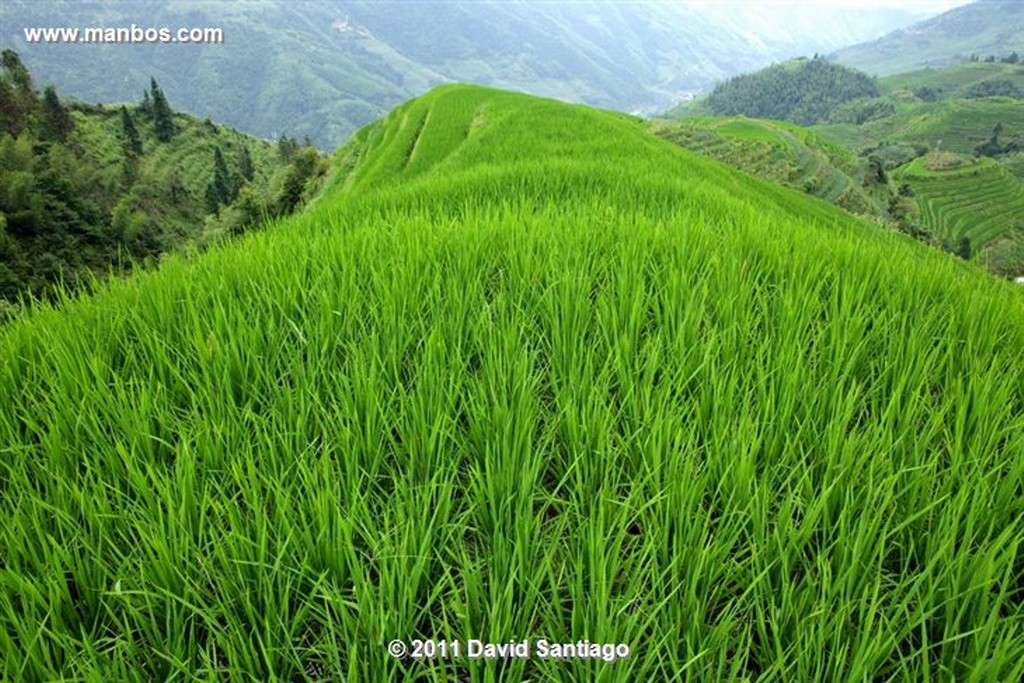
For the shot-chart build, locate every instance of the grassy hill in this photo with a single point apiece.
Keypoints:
(784, 153)
(951, 125)
(523, 371)
(985, 27)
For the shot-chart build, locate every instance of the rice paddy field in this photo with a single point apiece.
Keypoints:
(980, 200)
(955, 80)
(954, 125)
(782, 152)
(525, 372)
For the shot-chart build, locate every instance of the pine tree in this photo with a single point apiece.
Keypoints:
(163, 117)
(130, 134)
(246, 170)
(212, 202)
(56, 118)
(10, 116)
(19, 74)
(286, 149)
(17, 96)
(218, 192)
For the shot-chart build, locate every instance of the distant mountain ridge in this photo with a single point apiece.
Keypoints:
(324, 69)
(985, 27)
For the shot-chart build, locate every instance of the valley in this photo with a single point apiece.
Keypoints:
(325, 69)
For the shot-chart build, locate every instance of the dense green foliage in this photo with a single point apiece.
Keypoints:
(88, 189)
(803, 91)
(523, 371)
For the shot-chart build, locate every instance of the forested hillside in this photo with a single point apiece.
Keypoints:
(86, 189)
(802, 91)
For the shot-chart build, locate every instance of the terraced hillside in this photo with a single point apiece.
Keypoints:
(781, 152)
(963, 81)
(525, 372)
(952, 125)
(981, 201)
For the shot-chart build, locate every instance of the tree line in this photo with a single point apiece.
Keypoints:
(804, 91)
(86, 190)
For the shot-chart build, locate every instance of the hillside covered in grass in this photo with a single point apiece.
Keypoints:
(524, 371)
(972, 79)
(970, 110)
(954, 125)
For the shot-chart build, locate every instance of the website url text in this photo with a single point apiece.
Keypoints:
(124, 34)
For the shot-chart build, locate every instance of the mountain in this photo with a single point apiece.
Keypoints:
(324, 69)
(86, 189)
(523, 371)
(983, 28)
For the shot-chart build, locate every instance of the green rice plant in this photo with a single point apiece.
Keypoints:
(570, 382)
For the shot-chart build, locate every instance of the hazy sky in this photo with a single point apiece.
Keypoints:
(915, 5)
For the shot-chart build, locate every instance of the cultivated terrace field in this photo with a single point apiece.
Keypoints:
(977, 200)
(524, 371)
(868, 141)
(784, 153)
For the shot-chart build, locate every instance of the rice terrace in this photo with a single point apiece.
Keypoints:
(523, 371)
(538, 342)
